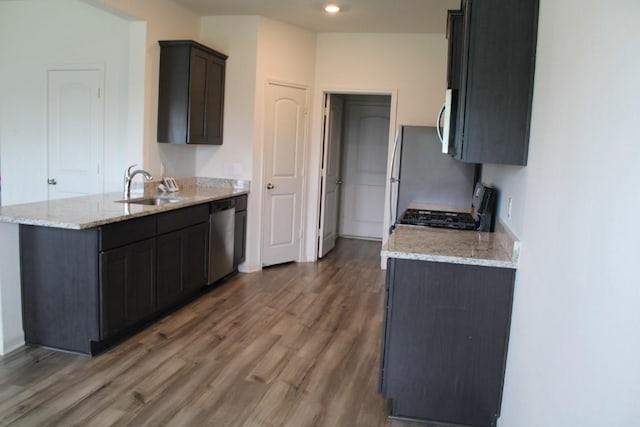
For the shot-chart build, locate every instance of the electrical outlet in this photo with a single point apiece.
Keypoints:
(509, 208)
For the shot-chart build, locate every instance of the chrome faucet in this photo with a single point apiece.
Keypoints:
(128, 177)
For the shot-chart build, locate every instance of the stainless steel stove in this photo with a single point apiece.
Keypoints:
(458, 220)
(481, 217)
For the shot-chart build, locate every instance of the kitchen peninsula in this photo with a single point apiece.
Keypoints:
(446, 326)
(95, 268)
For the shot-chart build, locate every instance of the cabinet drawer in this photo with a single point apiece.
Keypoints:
(126, 232)
(241, 203)
(181, 218)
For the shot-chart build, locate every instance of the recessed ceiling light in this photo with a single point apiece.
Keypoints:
(332, 8)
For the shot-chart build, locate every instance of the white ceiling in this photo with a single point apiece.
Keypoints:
(358, 16)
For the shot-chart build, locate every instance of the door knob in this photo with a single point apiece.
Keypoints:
(52, 181)
(270, 186)
(338, 182)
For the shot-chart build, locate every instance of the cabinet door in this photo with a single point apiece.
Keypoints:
(182, 264)
(169, 283)
(198, 97)
(196, 254)
(215, 100)
(446, 341)
(496, 90)
(127, 287)
(455, 23)
(240, 236)
(206, 98)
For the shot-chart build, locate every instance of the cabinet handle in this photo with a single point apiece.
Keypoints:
(52, 181)
(270, 186)
(438, 123)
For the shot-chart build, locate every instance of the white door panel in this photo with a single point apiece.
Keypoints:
(285, 138)
(75, 112)
(281, 233)
(365, 196)
(371, 153)
(364, 170)
(285, 126)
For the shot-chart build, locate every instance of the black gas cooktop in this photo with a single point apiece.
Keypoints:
(431, 218)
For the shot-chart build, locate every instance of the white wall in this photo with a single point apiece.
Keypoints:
(34, 35)
(163, 20)
(11, 334)
(237, 37)
(410, 67)
(259, 49)
(574, 353)
(286, 54)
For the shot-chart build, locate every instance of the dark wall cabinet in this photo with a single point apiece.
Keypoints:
(492, 47)
(190, 93)
(82, 290)
(444, 341)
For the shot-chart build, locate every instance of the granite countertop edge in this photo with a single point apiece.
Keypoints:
(450, 259)
(498, 249)
(107, 208)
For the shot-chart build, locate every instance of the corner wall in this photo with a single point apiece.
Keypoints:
(575, 334)
(286, 54)
(164, 20)
(259, 49)
(409, 67)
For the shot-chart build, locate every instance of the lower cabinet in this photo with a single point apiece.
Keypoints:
(182, 264)
(82, 290)
(127, 286)
(444, 342)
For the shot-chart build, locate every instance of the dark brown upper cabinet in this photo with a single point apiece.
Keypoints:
(191, 93)
(492, 46)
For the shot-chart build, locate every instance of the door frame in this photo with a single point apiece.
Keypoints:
(260, 187)
(315, 168)
(327, 137)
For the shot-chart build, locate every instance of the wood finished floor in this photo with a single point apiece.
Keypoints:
(293, 345)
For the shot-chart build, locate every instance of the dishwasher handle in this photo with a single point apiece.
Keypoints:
(223, 205)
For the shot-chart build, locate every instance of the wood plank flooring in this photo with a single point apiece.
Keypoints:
(293, 345)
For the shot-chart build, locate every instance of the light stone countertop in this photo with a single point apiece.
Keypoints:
(498, 249)
(95, 210)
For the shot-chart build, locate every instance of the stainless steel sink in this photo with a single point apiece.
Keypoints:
(154, 201)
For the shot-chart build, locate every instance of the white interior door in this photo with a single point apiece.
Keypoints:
(75, 113)
(364, 170)
(330, 198)
(285, 130)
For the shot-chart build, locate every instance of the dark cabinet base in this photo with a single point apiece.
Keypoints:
(85, 290)
(58, 299)
(445, 341)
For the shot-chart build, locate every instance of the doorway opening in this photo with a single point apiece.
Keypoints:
(356, 129)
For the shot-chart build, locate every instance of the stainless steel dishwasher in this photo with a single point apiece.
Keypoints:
(221, 239)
